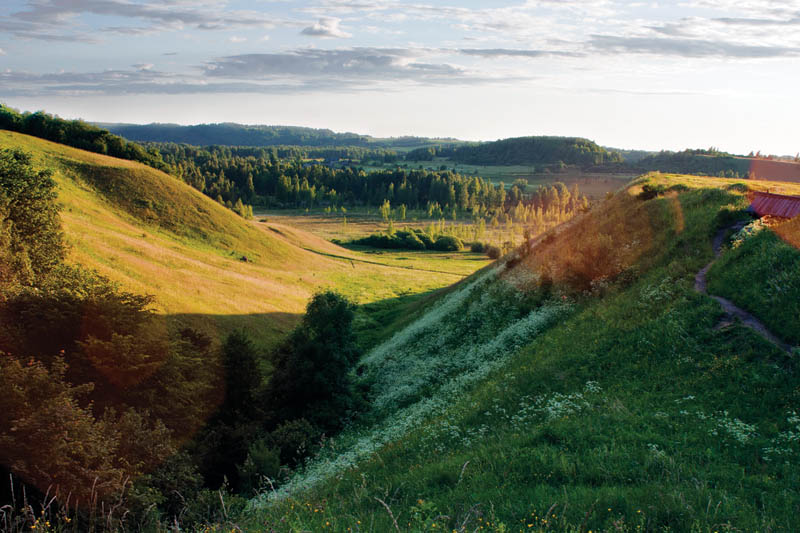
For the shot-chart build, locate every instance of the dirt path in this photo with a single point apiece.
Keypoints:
(748, 320)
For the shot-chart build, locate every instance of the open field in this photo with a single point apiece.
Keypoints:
(357, 223)
(155, 235)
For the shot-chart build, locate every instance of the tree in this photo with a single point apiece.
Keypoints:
(310, 379)
(242, 374)
(29, 222)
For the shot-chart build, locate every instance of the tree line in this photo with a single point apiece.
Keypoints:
(78, 134)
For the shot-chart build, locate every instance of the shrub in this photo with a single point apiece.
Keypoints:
(477, 247)
(651, 191)
(448, 243)
(493, 252)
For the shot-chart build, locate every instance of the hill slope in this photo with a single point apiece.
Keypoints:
(156, 235)
(582, 386)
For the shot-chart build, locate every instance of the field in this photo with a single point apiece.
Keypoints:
(357, 223)
(207, 267)
(626, 407)
(593, 185)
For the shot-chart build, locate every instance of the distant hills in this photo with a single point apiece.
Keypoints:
(230, 134)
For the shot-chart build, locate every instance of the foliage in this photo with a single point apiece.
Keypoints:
(700, 162)
(78, 134)
(533, 151)
(29, 226)
(311, 376)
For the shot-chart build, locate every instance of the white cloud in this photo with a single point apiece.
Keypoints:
(327, 28)
(237, 39)
(2, 52)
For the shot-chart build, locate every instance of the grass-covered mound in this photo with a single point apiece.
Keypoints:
(762, 275)
(582, 386)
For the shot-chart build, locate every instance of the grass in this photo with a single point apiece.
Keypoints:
(630, 412)
(762, 275)
(156, 235)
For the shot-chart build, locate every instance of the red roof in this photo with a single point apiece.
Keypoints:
(776, 205)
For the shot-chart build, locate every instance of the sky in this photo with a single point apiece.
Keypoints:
(639, 75)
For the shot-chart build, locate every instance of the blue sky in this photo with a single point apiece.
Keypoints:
(627, 74)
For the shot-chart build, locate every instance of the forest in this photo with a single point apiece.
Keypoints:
(709, 162)
(532, 151)
(243, 135)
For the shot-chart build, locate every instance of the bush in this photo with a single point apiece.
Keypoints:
(448, 243)
(651, 191)
(477, 247)
(409, 240)
(493, 252)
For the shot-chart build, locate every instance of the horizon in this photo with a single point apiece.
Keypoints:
(641, 76)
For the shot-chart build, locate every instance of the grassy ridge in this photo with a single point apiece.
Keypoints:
(632, 413)
(156, 235)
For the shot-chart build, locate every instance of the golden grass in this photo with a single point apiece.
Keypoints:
(189, 255)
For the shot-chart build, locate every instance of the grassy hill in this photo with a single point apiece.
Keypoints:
(206, 266)
(584, 385)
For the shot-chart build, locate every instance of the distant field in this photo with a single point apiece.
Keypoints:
(360, 222)
(593, 185)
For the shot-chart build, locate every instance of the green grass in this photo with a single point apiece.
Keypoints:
(763, 276)
(632, 413)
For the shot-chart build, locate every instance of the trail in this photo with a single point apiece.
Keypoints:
(748, 320)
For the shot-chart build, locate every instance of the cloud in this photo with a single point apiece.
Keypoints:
(506, 52)
(364, 64)
(2, 52)
(237, 39)
(42, 16)
(690, 48)
(327, 28)
(302, 70)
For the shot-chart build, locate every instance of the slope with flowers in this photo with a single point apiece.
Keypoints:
(581, 384)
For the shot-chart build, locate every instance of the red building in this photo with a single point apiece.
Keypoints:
(775, 205)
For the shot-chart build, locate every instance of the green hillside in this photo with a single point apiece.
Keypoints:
(206, 266)
(584, 385)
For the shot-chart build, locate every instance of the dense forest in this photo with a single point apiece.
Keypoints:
(260, 177)
(699, 162)
(112, 415)
(532, 151)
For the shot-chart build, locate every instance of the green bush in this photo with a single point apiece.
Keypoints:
(448, 243)
(477, 247)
